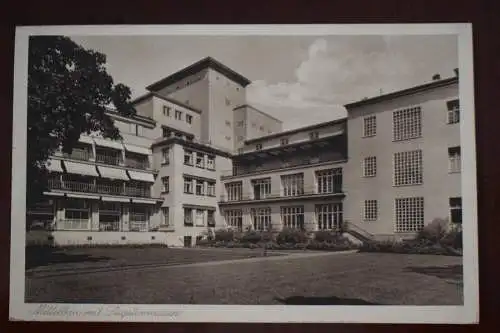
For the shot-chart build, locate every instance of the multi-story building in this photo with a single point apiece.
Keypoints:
(197, 156)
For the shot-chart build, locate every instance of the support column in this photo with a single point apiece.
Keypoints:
(59, 212)
(94, 216)
(246, 219)
(93, 157)
(276, 218)
(310, 223)
(125, 217)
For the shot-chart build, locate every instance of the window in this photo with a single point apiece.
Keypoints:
(211, 218)
(453, 111)
(370, 211)
(178, 135)
(234, 191)
(200, 187)
(370, 166)
(254, 125)
(240, 150)
(293, 184)
(133, 128)
(76, 215)
(200, 218)
(188, 157)
(166, 111)
(165, 156)
(227, 101)
(188, 185)
(293, 217)
(188, 216)
(178, 115)
(409, 214)
(261, 128)
(313, 135)
(228, 138)
(165, 184)
(456, 210)
(407, 124)
(228, 123)
(369, 126)
(239, 123)
(454, 159)
(200, 160)
(139, 130)
(139, 218)
(284, 142)
(211, 189)
(165, 216)
(329, 181)
(189, 119)
(261, 188)
(240, 138)
(261, 218)
(211, 162)
(109, 216)
(166, 132)
(408, 168)
(329, 216)
(258, 146)
(234, 218)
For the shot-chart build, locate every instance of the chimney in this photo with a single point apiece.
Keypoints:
(436, 77)
(456, 72)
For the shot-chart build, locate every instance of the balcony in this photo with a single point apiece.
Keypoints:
(137, 163)
(108, 159)
(303, 194)
(78, 154)
(99, 188)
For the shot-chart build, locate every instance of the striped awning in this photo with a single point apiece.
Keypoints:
(115, 199)
(54, 165)
(141, 176)
(112, 173)
(137, 149)
(81, 169)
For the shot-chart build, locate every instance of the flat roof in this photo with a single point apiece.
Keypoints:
(204, 63)
(296, 130)
(193, 145)
(260, 111)
(115, 113)
(404, 92)
(168, 99)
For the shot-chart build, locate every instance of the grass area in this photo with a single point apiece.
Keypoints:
(359, 278)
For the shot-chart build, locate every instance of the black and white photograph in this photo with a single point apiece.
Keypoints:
(244, 173)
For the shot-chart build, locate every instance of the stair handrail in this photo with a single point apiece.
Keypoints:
(356, 228)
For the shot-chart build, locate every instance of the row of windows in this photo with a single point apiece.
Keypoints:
(200, 160)
(285, 141)
(408, 166)
(178, 115)
(407, 123)
(201, 187)
(199, 217)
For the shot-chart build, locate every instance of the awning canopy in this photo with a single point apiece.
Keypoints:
(82, 196)
(86, 139)
(144, 201)
(81, 169)
(108, 143)
(114, 199)
(141, 176)
(113, 173)
(54, 165)
(137, 149)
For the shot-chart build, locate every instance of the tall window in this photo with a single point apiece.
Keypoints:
(369, 126)
(211, 189)
(329, 181)
(166, 111)
(178, 115)
(166, 133)
(139, 218)
(284, 142)
(228, 123)
(200, 217)
(188, 185)
(314, 135)
(408, 168)
(234, 191)
(200, 187)
(165, 186)
(239, 123)
(454, 159)
(453, 111)
(261, 218)
(293, 217)
(261, 188)
(409, 214)
(76, 215)
(188, 216)
(211, 162)
(370, 166)
(234, 218)
(456, 210)
(211, 218)
(165, 156)
(109, 216)
(293, 184)
(200, 160)
(407, 124)
(189, 118)
(329, 216)
(258, 146)
(370, 211)
(165, 216)
(188, 157)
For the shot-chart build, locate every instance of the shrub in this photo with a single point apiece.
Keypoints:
(434, 231)
(224, 235)
(329, 246)
(293, 236)
(453, 239)
(251, 237)
(327, 236)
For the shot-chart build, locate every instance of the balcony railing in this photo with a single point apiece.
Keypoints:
(73, 186)
(79, 154)
(108, 159)
(298, 193)
(136, 163)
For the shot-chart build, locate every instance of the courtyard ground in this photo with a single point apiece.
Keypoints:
(241, 276)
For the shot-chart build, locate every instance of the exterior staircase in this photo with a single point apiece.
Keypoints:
(358, 233)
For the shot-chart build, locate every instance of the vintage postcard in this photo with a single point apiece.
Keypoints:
(253, 173)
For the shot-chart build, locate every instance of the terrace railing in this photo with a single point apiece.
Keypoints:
(281, 194)
(99, 188)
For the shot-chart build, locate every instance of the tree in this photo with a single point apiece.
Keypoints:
(69, 92)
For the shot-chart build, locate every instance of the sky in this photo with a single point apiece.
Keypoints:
(301, 80)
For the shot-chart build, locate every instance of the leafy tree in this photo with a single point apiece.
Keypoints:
(69, 92)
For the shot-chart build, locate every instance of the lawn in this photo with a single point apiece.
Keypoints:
(206, 277)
